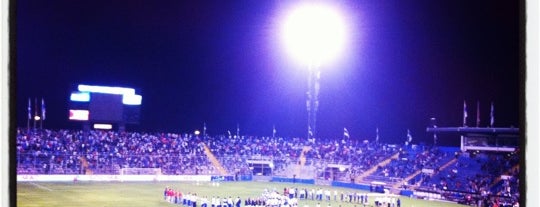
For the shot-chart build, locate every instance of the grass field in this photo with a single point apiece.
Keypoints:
(150, 194)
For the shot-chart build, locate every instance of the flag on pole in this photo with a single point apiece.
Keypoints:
(346, 133)
(35, 108)
(377, 136)
(29, 109)
(42, 109)
(477, 113)
(409, 137)
(204, 129)
(35, 112)
(464, 113)
(492, 115)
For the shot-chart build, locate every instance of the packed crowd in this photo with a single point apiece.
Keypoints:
(102, 152)
(360, 155)
(410, 161)
(65, 151)
(485, 175)
(106, 152)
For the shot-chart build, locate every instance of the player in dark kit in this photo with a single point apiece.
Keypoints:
(238, 202)
(165, 193)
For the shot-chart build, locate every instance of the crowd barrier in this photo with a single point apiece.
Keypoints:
(231, 178)
(65, 178)
(351, 185)
(370, 188)
(293, 180)
(407, 193)
(119, 178)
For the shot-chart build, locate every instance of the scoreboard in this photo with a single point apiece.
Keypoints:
(104, 105)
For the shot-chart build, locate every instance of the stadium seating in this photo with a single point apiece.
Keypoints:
(106, 152)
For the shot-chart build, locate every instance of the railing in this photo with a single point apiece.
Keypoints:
(95, 163)
(184, 164)
(57, 163)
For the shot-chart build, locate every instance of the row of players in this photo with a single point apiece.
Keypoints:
(190, 200)
(289, 197)
(320, 194)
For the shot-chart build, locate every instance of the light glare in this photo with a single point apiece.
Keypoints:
(102, 126)
(80, 97)
(81, 115)
(314, 33)
(106, 89)
(128, 94)
(131, 99)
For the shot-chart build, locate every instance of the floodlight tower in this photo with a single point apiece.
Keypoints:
(313, 34)
(312, 102)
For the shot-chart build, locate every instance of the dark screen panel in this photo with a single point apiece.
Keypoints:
(132, 114)
(78, 105)
(106, 107)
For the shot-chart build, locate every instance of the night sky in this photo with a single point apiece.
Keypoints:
(220, 62)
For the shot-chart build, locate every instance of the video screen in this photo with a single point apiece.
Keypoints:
(105, 104)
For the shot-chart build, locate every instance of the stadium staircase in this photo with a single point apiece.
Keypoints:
(300, 166)
(214, 160)
(84, 165)
(374, 168)
(498, 179)
(406, 180)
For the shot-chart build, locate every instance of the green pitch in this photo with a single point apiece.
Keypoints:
(150, 194)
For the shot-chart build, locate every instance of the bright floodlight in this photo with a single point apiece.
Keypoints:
(314, 33)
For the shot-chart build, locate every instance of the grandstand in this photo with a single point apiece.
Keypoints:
(445, 171)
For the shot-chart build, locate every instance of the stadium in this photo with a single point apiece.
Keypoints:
(121, 168)
(205, 105)
(103, 163)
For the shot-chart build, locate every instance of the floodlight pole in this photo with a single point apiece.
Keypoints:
(312, 102)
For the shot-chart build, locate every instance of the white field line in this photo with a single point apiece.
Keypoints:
(42, 187)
